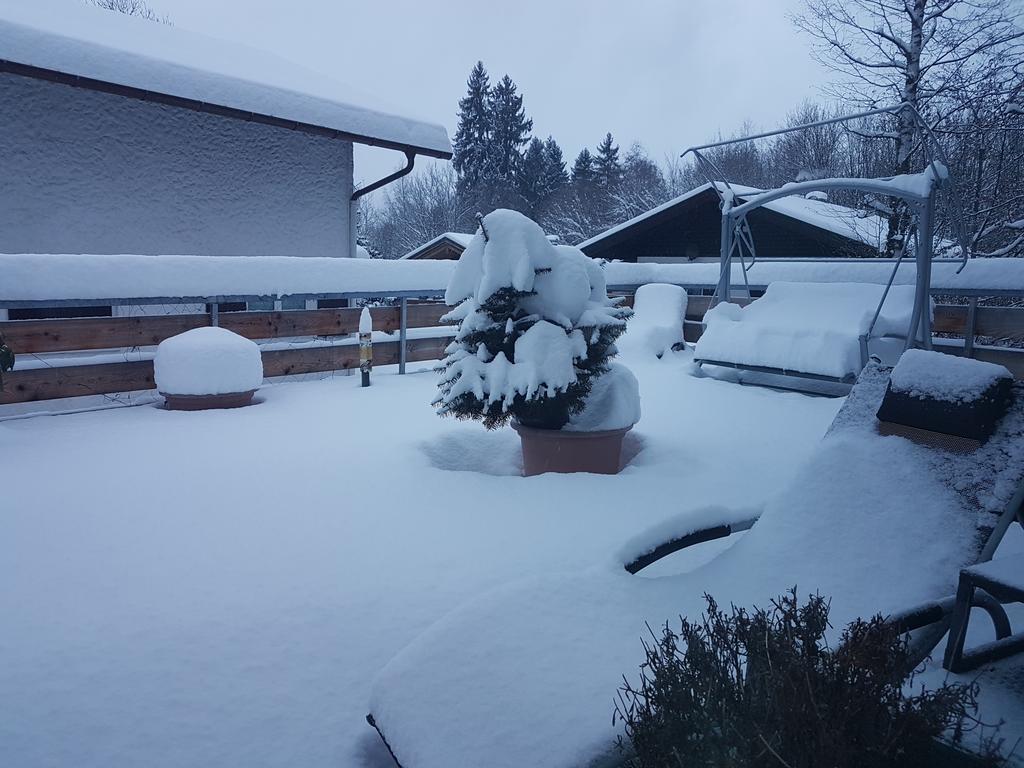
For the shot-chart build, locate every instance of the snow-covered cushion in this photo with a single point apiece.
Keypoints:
(657, 322)
(207, 361)
(806, 327)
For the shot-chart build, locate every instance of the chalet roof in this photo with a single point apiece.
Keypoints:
(838, 219)
(459, 239)
(82, 45)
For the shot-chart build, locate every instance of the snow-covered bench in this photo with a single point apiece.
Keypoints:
(816, 330)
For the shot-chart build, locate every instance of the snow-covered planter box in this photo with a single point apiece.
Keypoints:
(950, 395)
(536, 332)
(207, 368)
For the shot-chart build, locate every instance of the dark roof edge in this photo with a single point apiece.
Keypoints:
(55, 76)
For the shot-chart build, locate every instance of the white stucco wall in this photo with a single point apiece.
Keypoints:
(88, 172)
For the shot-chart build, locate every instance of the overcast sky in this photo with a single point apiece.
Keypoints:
(666, 73)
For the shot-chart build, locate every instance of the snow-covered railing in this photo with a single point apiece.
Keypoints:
(34, 280)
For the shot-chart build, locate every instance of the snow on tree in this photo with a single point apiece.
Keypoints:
(535, 327)
(555, 176)
(471, 144)
(510, 129)
(607, 167)
(583, 168)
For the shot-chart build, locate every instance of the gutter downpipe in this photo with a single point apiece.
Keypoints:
(353, 211)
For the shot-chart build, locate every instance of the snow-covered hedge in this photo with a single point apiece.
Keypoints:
(536, 327)
(207, 361)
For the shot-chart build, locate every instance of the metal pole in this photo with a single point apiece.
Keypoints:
(924, 267)
(214, 314)
(972, 320)
(403, 318)
(724, 290)
(365, 346)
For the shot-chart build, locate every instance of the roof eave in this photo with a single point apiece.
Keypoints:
(76, 81)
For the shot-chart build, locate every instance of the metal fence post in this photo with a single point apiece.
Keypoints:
(403, 319)
(214, 314)
(972, 319)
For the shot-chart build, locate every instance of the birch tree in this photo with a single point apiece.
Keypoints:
(939, 56)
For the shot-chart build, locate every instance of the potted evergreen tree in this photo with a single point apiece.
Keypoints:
(536, 331)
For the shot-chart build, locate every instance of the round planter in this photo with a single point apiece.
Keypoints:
(558, 450)
(207, 402)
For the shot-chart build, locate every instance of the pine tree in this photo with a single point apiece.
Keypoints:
(555, 177)
(473, 136)
(583, 168)
(607, 167)
(532, 174)
(510, 130)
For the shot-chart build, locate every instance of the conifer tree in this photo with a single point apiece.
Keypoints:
(555, 177)
(583, 172)
(510, 130)
(473, 135)
(532, 174)
(608, 169)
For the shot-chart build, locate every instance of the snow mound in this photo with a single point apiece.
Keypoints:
(207, 361)
(613, 402)
(938, 376)
(806, 327)
(657, 322)
(526, 675)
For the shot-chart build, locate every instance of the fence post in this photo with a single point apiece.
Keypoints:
(214, 314)
(403, 316)
(365, 346)
(972, 319)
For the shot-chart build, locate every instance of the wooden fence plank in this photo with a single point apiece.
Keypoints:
(28, 336)
(1011, 357)
(25, 336)
(76, 380)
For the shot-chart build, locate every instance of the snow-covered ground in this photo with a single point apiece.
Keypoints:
(220, 588)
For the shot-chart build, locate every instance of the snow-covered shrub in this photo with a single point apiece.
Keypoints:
(763, 689)
(207, 361)
(536, 327)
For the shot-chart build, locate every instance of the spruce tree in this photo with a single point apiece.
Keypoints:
(532, 174)
(473, 135)
(510, 130)
(607, 167)
(555, 177)
(583, 172)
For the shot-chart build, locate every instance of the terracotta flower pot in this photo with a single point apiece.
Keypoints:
(207, 402)
(559, 450)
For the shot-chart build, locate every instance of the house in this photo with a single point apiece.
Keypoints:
(447, 245)
(689, 228)
(121, 135)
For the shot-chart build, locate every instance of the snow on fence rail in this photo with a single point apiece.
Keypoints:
(336, 352)
(28, 280)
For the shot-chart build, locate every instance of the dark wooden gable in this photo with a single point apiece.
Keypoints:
(691, 229)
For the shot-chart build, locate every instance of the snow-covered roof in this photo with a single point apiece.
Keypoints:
(461, 239)
(76, 40)
(838, 219)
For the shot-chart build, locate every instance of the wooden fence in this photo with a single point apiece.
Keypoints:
(26, 337)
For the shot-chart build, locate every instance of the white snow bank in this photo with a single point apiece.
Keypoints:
(207, 361)
(979, 274)
(56, 277)
(67, 277)
(613, 402)
(938, 376)
(657, 322)
(810, 328)
(527, 674)
(76, 39)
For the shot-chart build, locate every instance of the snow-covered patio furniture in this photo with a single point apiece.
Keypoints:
(1003, 580)
(657, 322)
(526, 675)
(813, 330)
